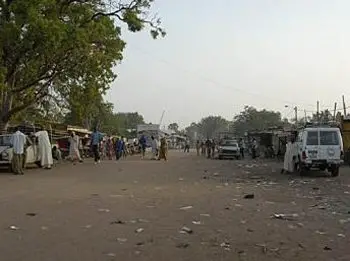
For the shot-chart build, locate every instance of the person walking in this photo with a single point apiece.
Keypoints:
(96, 138)
(198, 146)
(208, 146)
(163, 151)
(18, 141)
(119, 148)
(154, 148)
(74, 153)
(213, 147)
(143, 142)
(241, 147)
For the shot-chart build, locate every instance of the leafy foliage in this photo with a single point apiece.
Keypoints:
(251, 119)
(55, 48)
(174, 127)
(208, 127)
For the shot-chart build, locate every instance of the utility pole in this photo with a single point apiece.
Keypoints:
(344, 106)
(296, 115)
(305, 118)
(335, 110)
(318, 111)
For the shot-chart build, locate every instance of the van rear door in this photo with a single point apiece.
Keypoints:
(330, 144)
(312, 144)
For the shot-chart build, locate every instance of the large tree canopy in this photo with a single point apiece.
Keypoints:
(251, 119)
(53, 48)
(208, 127)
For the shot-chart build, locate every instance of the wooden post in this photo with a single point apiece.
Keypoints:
(335, 111)
(318, 111)
(344, 107)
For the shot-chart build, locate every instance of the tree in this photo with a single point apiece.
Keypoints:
(251, 119)
(174, 127)
(48, 47)
(208, 127)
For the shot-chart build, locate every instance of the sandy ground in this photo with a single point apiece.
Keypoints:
(136, 209)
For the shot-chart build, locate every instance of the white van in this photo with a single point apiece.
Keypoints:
(320, 148)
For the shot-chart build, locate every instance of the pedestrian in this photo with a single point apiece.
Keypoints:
(74, 153)
(109, 147)
(208, 147)
(96, 138)
(254, 148)
(203, 148)
(198, 146)
(143, 142)
(290, 157)
(163, 151)
(18, 141)
(213, 147)
(154, 148)
(187, 146)
(241, 147)
(45, 149)
(124, 149)
(118, 148)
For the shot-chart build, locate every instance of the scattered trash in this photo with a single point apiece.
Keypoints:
(343, 221)
(289, 217)
(301, 245)
(141, 220)
(88, 226)
(269, 202)
(116, 196)
(137, 252)
(226, 184)
(186, 208)
(205, 215)
(111, 255)
(249, 196)
(238, 205)
(31, 214)
(243, 221)
(139, 230)
(140, 243)
(216, 174)
(292, 227)
(94, 194)
(263, 247)
(44, 228)
(327, 248)
(122, 240)
(196, 222)
(316, 188)
(340, 235)
(117, 222)
(250, 230)
(227, 208)
(226, 246)
(183, 245)
(320, 232)
(14, 228)
(104, 210)
(186, 230)
(181, 179)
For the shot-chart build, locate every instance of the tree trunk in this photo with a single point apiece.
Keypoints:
(3, 126)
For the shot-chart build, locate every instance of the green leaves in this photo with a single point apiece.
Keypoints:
(53, 46)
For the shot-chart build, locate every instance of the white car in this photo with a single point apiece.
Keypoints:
(6, 151)
(320, 148)
(229, 149)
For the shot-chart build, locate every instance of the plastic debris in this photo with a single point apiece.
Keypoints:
(343, 221)
(186, 230)
(104, 210)
(183, 245)
(14, 228)
(225, 246)
(327, 248)
(340, 235)
(115, 222)
(205, 215)
(186, 208)
(121, 240)
(44, 228)
(196, 222)
(139, 230)
(88, 226)
(111, 255)
(181, 179)
(31, 214)
(249, 196)
(289, 217)
(320, 232)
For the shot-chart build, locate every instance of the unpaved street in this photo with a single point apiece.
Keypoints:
(188, 208)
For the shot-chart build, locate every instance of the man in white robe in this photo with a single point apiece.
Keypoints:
(290, 157)
(44, 149)
(155, 147)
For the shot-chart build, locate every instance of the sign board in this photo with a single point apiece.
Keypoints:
(147, 127)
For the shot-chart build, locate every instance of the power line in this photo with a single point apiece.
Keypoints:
(213, 81)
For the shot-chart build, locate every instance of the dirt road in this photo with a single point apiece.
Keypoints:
(188, 208)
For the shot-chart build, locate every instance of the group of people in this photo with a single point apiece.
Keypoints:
(19, 145)
(159, 151)
(206, 148)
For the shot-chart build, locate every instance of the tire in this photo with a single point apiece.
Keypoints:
(220, 157)
(335, 171)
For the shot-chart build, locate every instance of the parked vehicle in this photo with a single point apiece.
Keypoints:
(320, 148)
(229, 149)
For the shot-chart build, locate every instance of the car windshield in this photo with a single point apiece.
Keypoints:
(329, 138)
(312, 138)
(229, 143)
(5, 140)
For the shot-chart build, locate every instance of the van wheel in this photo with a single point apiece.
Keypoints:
(335, 171)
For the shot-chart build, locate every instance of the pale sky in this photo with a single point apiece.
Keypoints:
(221, 55)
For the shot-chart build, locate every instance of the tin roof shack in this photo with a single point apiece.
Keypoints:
(345, 129)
